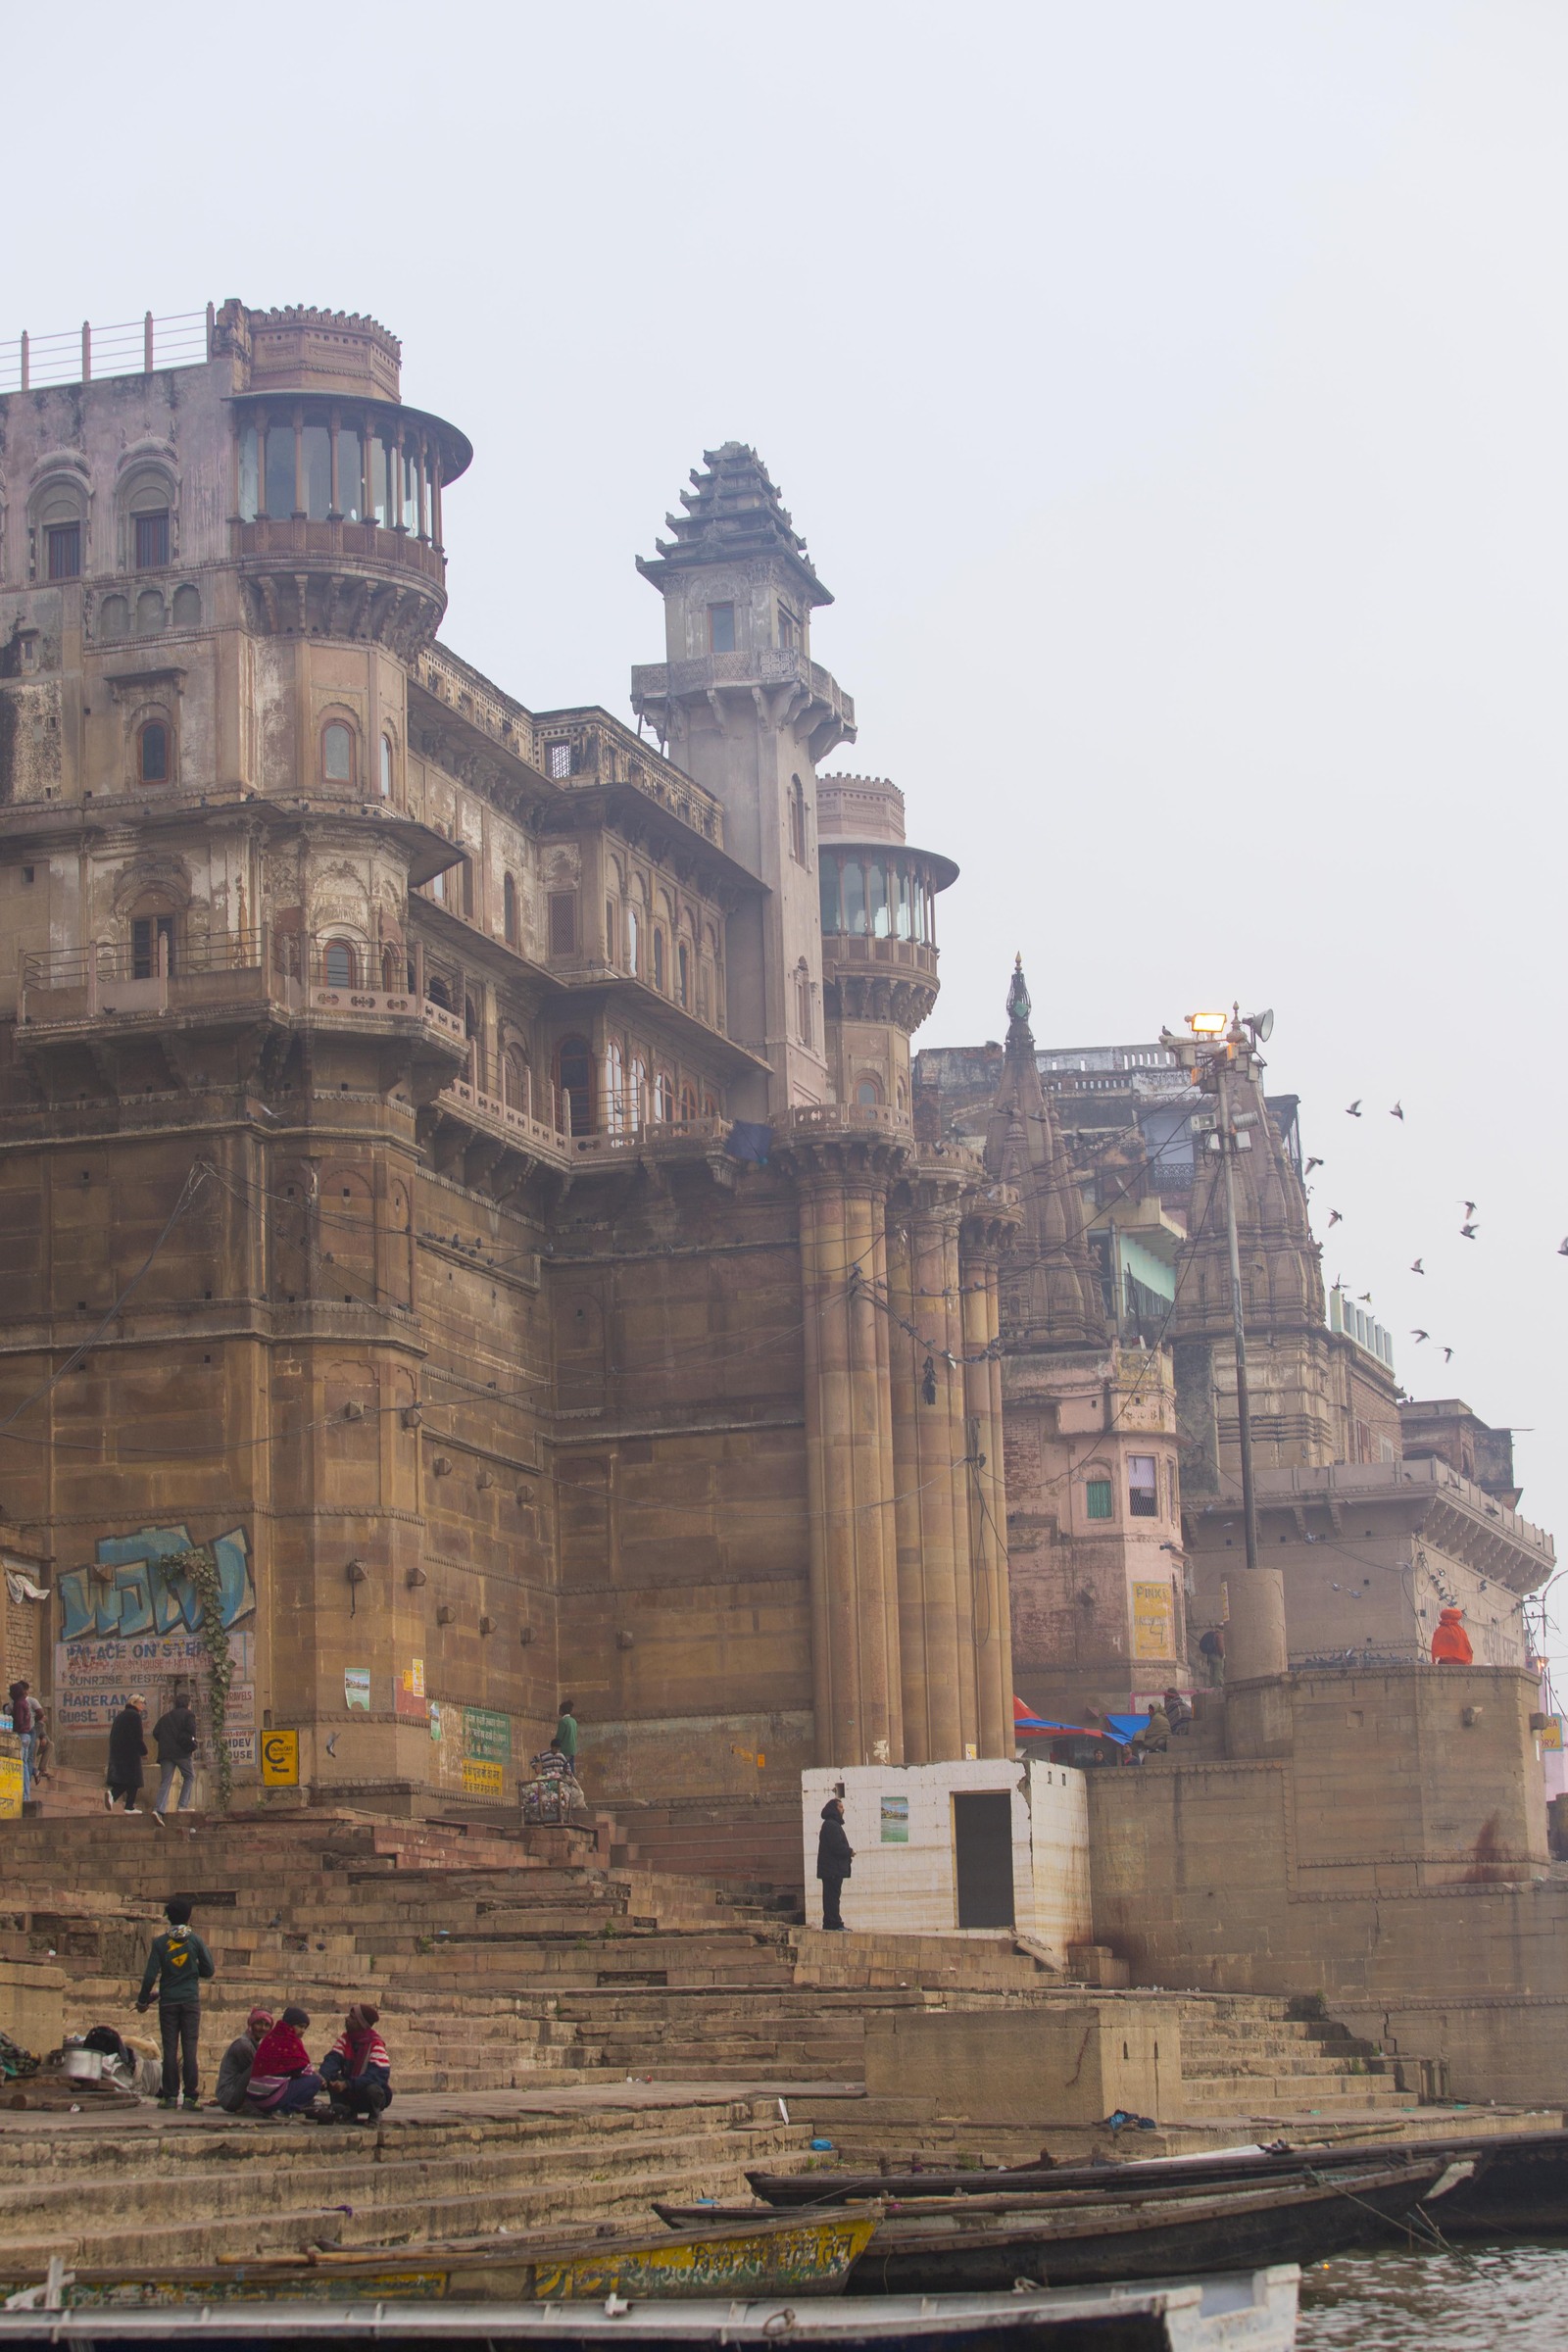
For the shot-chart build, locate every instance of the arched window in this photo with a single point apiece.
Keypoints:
(517, 1081)
(615, 1118)
(683, 975)
(688, 1101)
(709, 1108)
(187, 607)
(150, 613)
(436, 992)
(659, 959)
(854, 898)
(152, 945)
(386, 768)
(394, 976)
(337, 752)
(664, 1096)
(61, 517)
(574, 1085)
(114, 617)
(633, 937)
(868, 1092)
(151, 753)
(637, 1094)
(797, 820)
(340, 968)
(508, 910)
(610, 930)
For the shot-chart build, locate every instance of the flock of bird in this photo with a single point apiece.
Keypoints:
(1469, 1228)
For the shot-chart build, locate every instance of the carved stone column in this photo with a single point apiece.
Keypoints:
(982, 1240)
(849, 1448)
(931, 1517)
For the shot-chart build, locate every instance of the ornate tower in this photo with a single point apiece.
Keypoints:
(1050, 1294)
(740, 705)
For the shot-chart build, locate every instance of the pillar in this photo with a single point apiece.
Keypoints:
(849, 1449)
(937, 1669)
(992, 1633)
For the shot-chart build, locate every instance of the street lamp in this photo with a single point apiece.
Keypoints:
(1218, 1048)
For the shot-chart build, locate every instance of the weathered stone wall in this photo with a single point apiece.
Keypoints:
(1361, 1840)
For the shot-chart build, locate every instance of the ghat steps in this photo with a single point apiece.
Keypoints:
(496, 1966)
(201, 2188)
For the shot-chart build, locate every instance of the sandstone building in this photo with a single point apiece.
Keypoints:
(1119, 1394)
(374, 1211)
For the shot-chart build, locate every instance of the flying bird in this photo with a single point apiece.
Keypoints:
(1469, 1208)
(1416, 1267)
(1318, 1163)
(1562, 1247)
(1419, 1336)
(1354, 1110)
(1398, 1112)
(1447, 1355)
(1335, 1218)
(1364, 1298)
(1469, 1232)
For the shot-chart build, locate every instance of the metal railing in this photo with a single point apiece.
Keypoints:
(134, 347)
(119, 959)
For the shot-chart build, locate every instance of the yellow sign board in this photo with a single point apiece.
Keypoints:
(10, 1787)
(280, 1759)
(1552, 1736)
(480, 1779)
(1153, 1621)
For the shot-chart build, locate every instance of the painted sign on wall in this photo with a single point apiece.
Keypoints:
(474, 1748)
(1153, 1621)
(129, 1622)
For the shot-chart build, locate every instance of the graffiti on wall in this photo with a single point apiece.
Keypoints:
(143, 1594)
(129, 1622)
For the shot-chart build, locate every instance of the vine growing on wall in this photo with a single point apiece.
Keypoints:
(201, 1566)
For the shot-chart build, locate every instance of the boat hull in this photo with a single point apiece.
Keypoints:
(776, 2254)
(912, 2254)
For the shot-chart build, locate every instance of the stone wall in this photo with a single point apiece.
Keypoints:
(1377, 1840)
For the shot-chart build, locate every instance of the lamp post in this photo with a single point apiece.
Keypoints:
(1211, 1052)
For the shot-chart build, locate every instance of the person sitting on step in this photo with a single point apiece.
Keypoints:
(282, 2081)
(356, 2071)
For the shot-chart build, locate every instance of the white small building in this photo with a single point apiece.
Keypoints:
(977, 1847)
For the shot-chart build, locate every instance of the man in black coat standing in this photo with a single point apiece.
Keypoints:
(174, 1736)
(834, 1856)
(128, 1745)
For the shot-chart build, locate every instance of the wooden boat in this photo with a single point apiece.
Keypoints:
(765, 2254)
(982, 2245)
(1520, 2180)
(1239, 2313)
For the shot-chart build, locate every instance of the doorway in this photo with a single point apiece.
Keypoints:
(982, 1845)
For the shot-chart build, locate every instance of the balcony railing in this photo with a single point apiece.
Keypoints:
(594, 749)
(909, 955)
(295, 538)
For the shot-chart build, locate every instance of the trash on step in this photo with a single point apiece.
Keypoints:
(616, 2307)
(824, 2144)
(784, 2112)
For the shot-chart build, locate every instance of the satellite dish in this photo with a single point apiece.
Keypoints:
(1262, 1024)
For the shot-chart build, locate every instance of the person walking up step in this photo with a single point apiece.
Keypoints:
(176, 1966)
(174, 1738)
(128, 1746)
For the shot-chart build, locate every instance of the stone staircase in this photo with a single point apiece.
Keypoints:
(202, 2189)
(501, 1961)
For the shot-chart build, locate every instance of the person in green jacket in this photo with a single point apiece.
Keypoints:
(566, 1733)
(176, 1966)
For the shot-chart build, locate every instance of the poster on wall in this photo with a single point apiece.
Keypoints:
(1153, 1621)
(131, 1620)
(357, 1687)
(474, 1748)
(895, 1821)
(408, 1692)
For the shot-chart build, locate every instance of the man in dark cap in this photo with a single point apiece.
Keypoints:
(834, 1856)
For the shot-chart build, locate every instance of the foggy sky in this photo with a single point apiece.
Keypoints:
(1174, 400)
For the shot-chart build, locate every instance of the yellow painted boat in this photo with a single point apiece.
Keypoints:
(777, 2254)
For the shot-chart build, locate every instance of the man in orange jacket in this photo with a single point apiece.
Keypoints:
(1450, 1643)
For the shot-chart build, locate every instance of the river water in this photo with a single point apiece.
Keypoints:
(1479, 2298)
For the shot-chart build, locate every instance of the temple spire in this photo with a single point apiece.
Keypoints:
(1053, 1289)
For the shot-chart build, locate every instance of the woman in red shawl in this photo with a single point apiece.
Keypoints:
(282, 2081)
(356, 2071)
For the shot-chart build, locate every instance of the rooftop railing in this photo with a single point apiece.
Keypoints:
(135, 347)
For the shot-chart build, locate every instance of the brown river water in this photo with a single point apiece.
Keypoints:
(1479, 2298)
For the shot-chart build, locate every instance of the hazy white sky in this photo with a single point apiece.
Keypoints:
(1174, 398)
